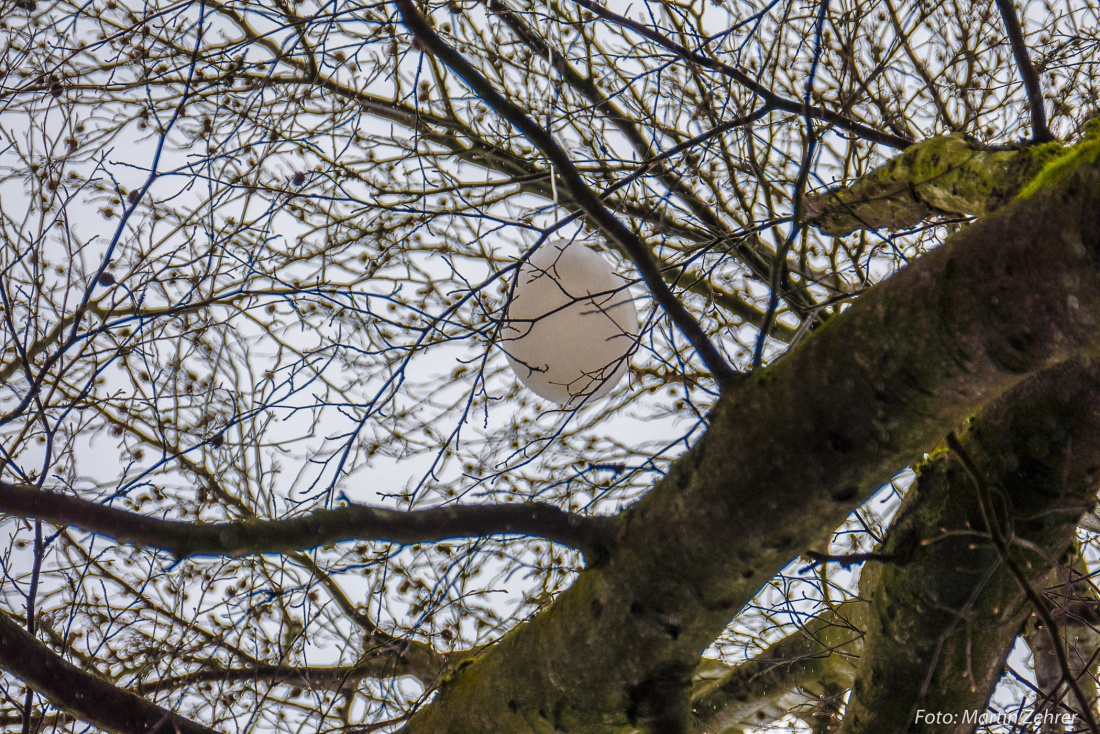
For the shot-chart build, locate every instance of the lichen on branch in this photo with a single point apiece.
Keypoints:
(941, 176)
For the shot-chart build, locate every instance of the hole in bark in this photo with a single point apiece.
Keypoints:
(748, 573)
(513, 706)
(838, 443)
(1014, 352)
(843, 494)
(1019, 342)
(660, 700)
(636, 608)
(672, 630)
(597, 609)
(783, 542)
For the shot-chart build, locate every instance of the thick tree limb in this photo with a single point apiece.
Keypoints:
(947, 590)
(945, 175)
(323, 527)
(85, 696)
(787, 456)
(942, 623)
(798, 674)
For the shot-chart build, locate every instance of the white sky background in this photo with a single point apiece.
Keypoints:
(303, 418)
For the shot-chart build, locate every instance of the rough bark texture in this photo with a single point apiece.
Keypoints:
(945, 175)
(787, 456)
(937, 563)
(944, 618)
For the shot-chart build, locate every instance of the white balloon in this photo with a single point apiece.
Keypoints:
(571, 324)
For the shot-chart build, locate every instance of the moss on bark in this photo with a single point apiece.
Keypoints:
(943, 621)
(940, 176)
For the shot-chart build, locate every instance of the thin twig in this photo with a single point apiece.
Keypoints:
(779, 265)
(771, 98)
(846, 560)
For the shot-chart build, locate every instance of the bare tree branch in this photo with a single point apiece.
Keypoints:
(944, 175)
(1040, 133)
(1073, 597)
(803, 674)
(82, 694)
(323, 527)
(770, 98)
(330, 678)
(660, 166)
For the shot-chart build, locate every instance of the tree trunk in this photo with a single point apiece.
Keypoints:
(787, 456)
